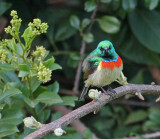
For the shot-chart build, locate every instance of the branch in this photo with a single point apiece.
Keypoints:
(77, 124)
(148, 136)
(82, 51)
(92, 106)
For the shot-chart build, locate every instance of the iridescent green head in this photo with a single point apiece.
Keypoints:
(106, 50)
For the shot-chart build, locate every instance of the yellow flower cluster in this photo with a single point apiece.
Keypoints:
(15, 24)
(39, 53)
(44, 74)
(3, 56)
(38, 27)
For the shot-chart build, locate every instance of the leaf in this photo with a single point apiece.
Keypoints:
(75, 22)
(23, 70)
(49, 98)
(136, 116)
(35, 83)
(85, 22)
(68, 100)
(151, 4)
(4, 6)
(55, 67)
(8, 93)
(88, 37)
(109, 24)
(65, 31)
(56, 116)
(132, 50)
(7, 129)
(88, 134)
(49, 63)
(44, 116)
(129, 5)
(145, 26)
(54, 87)
(138, 78)
(89, 6)
(11, 115)
(6, 67)
(9, 76)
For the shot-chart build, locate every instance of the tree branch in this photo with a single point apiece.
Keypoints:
(82, 51)
(92, 106)
(77, 124)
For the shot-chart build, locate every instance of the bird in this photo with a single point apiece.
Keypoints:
(101, 67)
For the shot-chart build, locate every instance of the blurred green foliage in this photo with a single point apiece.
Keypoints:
(133, 28)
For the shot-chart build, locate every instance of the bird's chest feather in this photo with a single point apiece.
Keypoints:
(106, 73)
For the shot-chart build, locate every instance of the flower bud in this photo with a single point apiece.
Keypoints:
(32, 123)
(59, 131)
(94, 94)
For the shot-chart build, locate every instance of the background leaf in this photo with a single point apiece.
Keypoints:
(145, 26)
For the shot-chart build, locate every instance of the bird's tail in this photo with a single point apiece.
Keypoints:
(84, 92)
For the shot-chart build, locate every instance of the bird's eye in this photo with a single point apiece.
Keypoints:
(109, 48)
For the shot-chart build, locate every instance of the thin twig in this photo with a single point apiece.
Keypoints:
(92, 106)
(77, 124)
(148, 136)
(82, 52)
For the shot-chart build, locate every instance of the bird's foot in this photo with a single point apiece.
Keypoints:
(112, 92)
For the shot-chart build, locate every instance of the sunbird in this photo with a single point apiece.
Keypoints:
(101, 67)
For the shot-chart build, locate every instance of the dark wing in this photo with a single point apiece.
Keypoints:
(89, 66)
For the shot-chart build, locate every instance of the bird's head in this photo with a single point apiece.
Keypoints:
(106, 50)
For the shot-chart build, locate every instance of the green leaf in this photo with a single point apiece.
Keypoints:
(105, 1)
(109, 24)
(11, 114)
(65, 31)
(24, 70)
(54, 87)
(73, 60)
(8, 93)
(145, 26)
(85, 22)
(129, 5)
(7, 129)
(55, 67)
(136, 116)
(75, 22)
(151, 4)
(138, 78)
(49, 98)
(88, 134)
(23, 67)
(88, 37)
(6, 67)
(132, 50)
(9, 76)
(56, 116)
(68, 100)
(89, 6)
(35, 83)
(44, 116)
(29, 102)
(49, 63)
(28, 37)
(4, 6)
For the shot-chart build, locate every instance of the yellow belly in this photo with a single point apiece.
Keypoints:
(103, 77)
